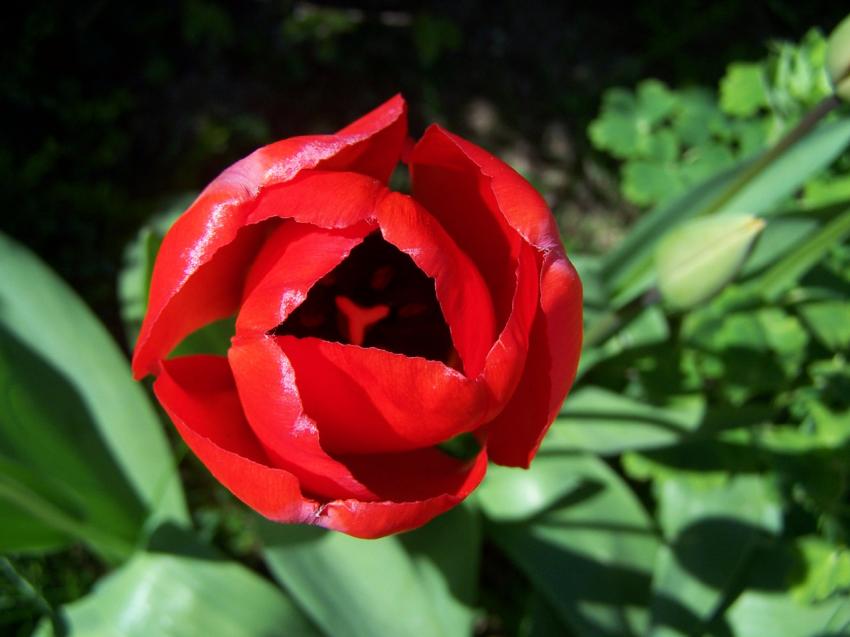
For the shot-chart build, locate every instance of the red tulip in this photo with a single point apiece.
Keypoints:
(371, 326)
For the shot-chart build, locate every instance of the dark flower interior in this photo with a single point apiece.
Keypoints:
(377, 297)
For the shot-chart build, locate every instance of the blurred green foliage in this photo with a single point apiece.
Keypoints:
(670, 140)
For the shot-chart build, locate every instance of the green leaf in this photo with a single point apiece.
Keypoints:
(785, 273)
(828, 572)
(704, 162)
(742, 89)
(346, 584)
(447, 555)
(649, 327)
(70, 410)
(648, 182)
(770, 602)
(712, 530)
(590, 553)
(746, 352)
(786, 174)
(616, 129)
(697, 117)
(176, 596)
(210, 339)
(827, 190)
(829, 321)
(779, 236)
(23, 532)
(654, 101)
(607, 423)
(697, 259)
(760, 613)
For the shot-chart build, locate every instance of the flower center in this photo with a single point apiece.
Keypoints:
(377, 297)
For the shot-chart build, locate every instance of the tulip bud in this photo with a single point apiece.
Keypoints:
(838, 59)
(697, 259)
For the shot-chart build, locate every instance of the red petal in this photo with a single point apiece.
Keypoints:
(550, 369)
(294, 257)
(440, 157)
(454, 190)
(522, 206)
(507, 358)
(372, 145)
(373, 519)
(199, 394)
(461, 291)
(324, 199)
(266, 384)
(213, 292)
(369, 400)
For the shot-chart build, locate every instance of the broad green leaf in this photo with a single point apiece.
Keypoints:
(779, 236)
(785, 175)
(742, 90)
(542, 620)
(350, 586)
(761, 613)
(70, 410)
(829, 321)
(828, 571)
(508, 494)
(826, 190)
(447, 555)
(770, 602)
(698, 258)
(23, 532)
(607, 423)
(590, 553)
(177, 596)
(58, 506)
(712, 529)
(787, 271)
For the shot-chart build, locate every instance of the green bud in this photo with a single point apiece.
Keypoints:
(838, 59)
(697, 259)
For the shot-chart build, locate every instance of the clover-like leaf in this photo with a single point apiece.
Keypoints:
(742, 90)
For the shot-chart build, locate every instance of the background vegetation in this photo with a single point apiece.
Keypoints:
(696, 482)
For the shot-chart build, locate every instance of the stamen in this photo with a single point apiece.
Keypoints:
(359, 319)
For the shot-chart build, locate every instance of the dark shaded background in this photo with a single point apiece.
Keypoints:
(110, 109)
